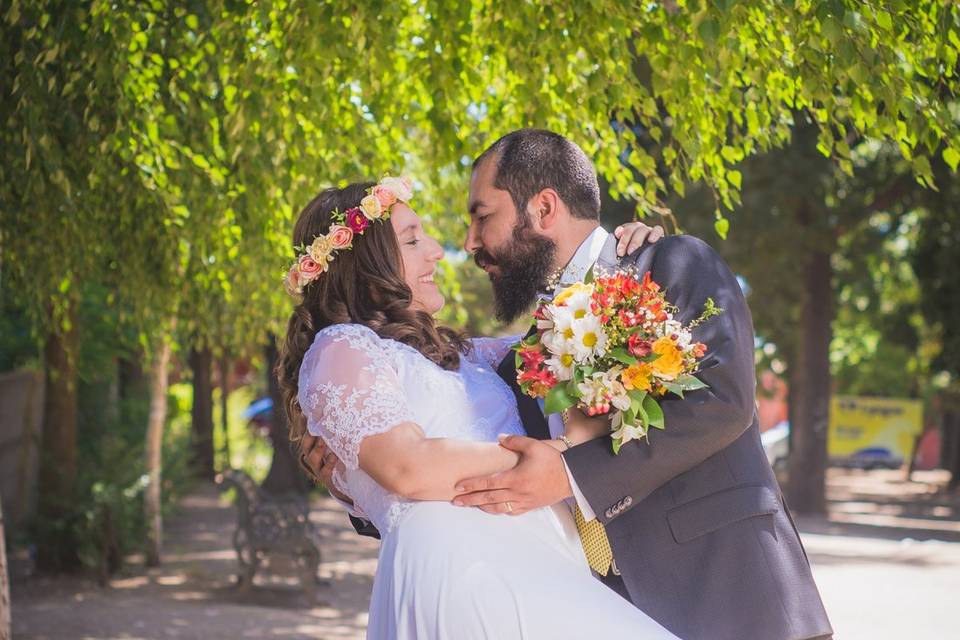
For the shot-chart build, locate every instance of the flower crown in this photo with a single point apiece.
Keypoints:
(315, 259)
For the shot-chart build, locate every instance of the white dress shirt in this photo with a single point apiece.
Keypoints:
(575, 271)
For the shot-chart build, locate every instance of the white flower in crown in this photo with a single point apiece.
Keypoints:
(371, 207)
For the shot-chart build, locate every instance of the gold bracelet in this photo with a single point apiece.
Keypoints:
(565, 440)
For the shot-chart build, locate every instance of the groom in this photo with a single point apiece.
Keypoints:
(700, 536)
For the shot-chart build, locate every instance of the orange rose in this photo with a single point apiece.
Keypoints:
(670, 363)
(340, 237)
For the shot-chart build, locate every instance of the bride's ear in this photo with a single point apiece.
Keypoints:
(544, 209)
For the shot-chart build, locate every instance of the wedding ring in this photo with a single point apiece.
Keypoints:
(509, 507)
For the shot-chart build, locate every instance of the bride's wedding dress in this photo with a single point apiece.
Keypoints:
(446, 571)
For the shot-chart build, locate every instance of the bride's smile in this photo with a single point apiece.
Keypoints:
(420, 254)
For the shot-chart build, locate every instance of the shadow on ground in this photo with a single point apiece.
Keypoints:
(194, 593)
(879, 525)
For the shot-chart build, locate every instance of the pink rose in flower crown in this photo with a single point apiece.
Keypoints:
(400, 187)
(341, 237)
(356, 220)
(310, 269)
(384, 195)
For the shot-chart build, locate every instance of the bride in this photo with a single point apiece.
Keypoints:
(411, 408)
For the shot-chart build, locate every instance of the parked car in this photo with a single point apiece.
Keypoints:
(776, 443)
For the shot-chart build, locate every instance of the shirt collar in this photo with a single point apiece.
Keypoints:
(584, 258)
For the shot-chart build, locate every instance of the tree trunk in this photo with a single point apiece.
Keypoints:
(4, 585)
(154, 448)
(56, 549)
(203, 463)
(224, 363)
(284, 476)
(810, 392)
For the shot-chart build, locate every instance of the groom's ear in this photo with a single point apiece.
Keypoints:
(545, 208)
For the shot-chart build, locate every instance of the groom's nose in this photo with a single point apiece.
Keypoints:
(472, 243)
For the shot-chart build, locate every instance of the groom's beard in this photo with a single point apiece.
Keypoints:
(524, 265)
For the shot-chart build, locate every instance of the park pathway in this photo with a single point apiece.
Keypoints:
(192, 595)
(887, 562)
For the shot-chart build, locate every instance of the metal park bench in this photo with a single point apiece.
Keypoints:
(269, 525)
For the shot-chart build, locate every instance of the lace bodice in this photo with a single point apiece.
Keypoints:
(355, 384)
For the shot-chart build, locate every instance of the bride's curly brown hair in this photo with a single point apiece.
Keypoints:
(365, 286)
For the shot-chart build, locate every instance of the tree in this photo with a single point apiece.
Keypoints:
(66, 206)
(163, 149)
(935, 258)
(807, 233)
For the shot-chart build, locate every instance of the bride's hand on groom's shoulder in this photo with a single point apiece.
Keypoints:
(539, 480)
(632, 235)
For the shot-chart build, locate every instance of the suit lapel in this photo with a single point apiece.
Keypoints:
(531, 416)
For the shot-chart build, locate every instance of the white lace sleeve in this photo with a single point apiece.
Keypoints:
(349, 390)
(491, 351)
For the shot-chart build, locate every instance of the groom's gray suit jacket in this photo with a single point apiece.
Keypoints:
(698, 525)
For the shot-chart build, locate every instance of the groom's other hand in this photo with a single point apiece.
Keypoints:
(539, 479)
(320, 460)
(632, 235)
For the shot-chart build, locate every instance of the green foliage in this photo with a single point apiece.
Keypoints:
(174, 143)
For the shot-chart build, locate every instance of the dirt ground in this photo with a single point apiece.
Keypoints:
(887, 561)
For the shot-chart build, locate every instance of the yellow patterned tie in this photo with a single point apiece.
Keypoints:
(593, 537)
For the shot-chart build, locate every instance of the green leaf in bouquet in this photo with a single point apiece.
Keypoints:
(690, 383)
(617, 443)
(673, 387)
(558, 399)
(533, 339)
(636, 396)
(649, 357)
(581, 373)
(642, 417)
(622, 355)
(589, 278)
(654, 412)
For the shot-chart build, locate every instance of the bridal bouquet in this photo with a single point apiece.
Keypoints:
(611, 346)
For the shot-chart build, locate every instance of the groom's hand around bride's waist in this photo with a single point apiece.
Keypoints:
(320, 460)
(539, 480)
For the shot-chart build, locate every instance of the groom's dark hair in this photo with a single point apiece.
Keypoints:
(531, 160)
